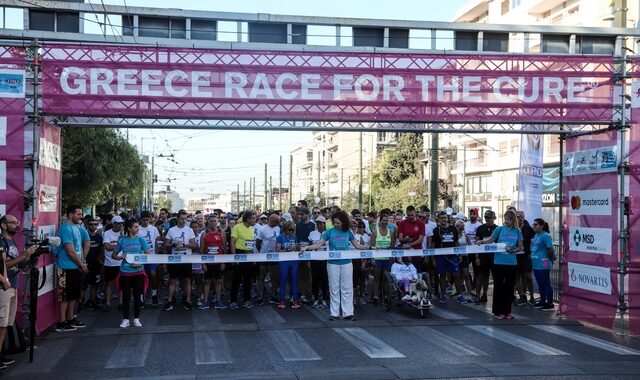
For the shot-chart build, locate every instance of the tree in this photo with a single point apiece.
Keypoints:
(99, 166)
(162, 202)
(411, 191)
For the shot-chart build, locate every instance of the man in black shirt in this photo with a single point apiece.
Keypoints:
(94, 259)
(484, 261)
(524, 278)
(446, 236)
(303, 228)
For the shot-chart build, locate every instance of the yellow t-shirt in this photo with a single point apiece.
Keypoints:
(245, 239)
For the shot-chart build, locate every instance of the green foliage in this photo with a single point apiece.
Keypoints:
(411, 191)
(162, 202)
(100, 166)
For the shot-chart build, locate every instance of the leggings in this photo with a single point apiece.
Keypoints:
(504, 282)
(241, 272)
(319, 279)
(543, 278)
(128, 284)
(288, 269)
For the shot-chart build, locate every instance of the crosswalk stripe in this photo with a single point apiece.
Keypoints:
(446, 314)
(291, 346)
(487, 308)
(516, 340)
(205, 317)
(131, 351)
(444, 341)
(588, 340)
(267, 314)
(211, 348)
(367, 343)
(320, 313)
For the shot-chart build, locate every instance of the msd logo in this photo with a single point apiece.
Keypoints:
(590, 202)
(174, 259)
(591, 240)
(140, 259)
(273, 257)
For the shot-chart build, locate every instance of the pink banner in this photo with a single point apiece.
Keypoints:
(634, 198)
(325, 86)
(590, 188)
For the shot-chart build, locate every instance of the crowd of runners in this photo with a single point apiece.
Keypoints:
(93, 272)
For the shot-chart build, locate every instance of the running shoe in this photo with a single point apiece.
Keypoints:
(296, 305)
(137, 323)
(304, 299)
(248, 305)
(64, 327)
(406, 297)
(260, 301)
(461, 299)
(521, 301)
(76, 323)
(125, 323)
(332, 318)
(234, 306)
(510, 316)
(548, 307)
(350, 318)
(220, 305)
(324, 304)
(203, 306)
(188, 306)
(6, 361)
(168, 306)
(539, 305)
(443, 299)
(282, 305)
(500, 316)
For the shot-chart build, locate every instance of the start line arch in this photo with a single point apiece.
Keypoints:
(583, 98)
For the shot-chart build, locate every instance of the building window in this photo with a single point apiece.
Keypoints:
(515, 3)
(503, 149)
(505, 7)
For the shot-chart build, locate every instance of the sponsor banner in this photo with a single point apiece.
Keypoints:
(50, 154)
(591, 161)
(47, 198)
(589, 277)
(530, 184)
(135, 81)
(591, 240)
(312, 255)
(590, 202)
(12, 83)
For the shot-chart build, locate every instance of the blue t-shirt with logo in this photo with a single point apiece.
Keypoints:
(131, 246)
(69, 234)
(288, 243)
(541, 242)
(338, 241)
(511, 237)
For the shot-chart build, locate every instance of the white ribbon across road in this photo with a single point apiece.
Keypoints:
(312, 255)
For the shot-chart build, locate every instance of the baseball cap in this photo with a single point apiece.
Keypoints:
(459, 215)
(117, 219)
(321, 219)
(490, 214)
(263, 216)
(473, 209)
(287, 216)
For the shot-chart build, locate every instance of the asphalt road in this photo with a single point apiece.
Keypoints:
(453, 341)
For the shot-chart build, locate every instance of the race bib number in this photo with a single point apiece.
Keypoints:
(249, 244)
(212, 250)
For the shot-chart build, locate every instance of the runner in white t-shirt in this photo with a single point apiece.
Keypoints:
(182, 240)
(150, 234)
(266, 243)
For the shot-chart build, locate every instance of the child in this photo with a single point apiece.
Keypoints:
(404, 273)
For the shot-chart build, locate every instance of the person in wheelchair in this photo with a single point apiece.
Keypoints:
(404, 274)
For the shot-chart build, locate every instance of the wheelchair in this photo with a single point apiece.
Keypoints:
(391, 292)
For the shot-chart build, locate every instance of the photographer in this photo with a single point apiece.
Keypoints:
(11, 260)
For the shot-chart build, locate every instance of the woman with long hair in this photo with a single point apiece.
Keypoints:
(542, 258)
(382, 237)
(287, 242)
(340, 271)
(132, 277)
(505, 264)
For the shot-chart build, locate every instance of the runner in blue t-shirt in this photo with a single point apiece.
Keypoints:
(340, 271)
(288, 242)
(542, 258)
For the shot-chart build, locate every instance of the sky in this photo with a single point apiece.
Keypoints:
(206, 162)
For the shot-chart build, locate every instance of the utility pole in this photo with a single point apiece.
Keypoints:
(360, 179)
(620, 16)
(265, 205)
(433, 196)
(290, 178)
(280, 187)
(254, 193)
(319, 168)
(270, 192)
(341, 185)
(250, 186)
(244, 195)
(464, 178)
(371, 175)
(238, 199)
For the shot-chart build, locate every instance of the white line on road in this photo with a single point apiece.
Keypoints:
(211, 348)
(515, 340)
(444, 342)
(446, 314)
(588, 340)
(131, 351)
(291, 346)
(320, 313)
(267, 314)
(367, 343)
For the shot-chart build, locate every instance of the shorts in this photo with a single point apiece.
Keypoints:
(383, 263)
(180, 271)
(69, 284)
(93, 277)
(486, 262)
(151, 267)
(524, 263)
(8, 307)
(464, 262)
(213, 272)
(111, 273)
(446, 263)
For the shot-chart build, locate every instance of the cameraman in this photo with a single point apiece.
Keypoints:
(12, 258)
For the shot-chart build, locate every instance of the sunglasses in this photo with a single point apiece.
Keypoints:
(316, 213)
(93, 224)
(422, 217)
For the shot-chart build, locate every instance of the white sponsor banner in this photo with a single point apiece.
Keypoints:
(3, 209)
(530, 175)
(590, 240)
(12, 83)
(48, 284)
(588, 277)
(50, 154)
(311, 255)
(591, 161)
(3, 175)
(590, 202)
(48, 198)
(3, 130)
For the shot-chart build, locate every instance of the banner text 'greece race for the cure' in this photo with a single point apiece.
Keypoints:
(133, 81)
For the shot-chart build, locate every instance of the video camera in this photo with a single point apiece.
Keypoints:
(44, 245)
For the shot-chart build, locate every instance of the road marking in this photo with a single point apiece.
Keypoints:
(320, 313)
(211, 348)
(131, 351)
(517, 341)
(367, 343)
(205, 317)
(487, 308)
(444, 341)
(588, 340)
(267, 314)
(446, 314)
(291, 346)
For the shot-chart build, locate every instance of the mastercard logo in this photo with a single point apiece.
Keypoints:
(576, 202)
